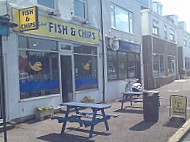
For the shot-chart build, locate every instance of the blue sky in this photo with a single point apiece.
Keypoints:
(178, 7)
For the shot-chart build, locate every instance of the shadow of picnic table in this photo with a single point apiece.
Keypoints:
(54, 137)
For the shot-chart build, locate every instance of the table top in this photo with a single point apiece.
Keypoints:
(132, 93)
(86, 105)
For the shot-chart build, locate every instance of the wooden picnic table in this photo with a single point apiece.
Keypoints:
(93, 115)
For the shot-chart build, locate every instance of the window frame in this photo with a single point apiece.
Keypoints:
(160, 73)
(48, 9)
(85, 11)
(165, 32)
(82, 54)
(172, 34)
(117, 61)
(155, 28)
(28, 50)
(130, 19)
(174, 63)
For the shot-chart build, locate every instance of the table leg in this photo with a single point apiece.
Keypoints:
(123, 99)
(105, 120)
(93, 119)
(66, 116)
(77, 112)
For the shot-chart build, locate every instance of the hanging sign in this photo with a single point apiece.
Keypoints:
(28, 19)
(178, 105)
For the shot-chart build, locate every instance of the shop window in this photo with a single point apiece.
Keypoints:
(85, 68)
(112, 65)
(122, 65)
(131, 65)
(47, 3)
(155, 27)
(38, 72)
(39, 44)
(171, 65)
(158, 65)
(121, 19)
(80, 8)
(187, 63)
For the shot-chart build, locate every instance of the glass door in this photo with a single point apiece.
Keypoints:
(66, 78)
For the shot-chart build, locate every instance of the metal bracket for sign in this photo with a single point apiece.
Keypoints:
(170, 112)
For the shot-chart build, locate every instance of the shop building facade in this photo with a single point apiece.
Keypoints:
(122, 48)
(58, 62)
(159, 45)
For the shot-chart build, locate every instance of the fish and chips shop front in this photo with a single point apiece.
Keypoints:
(49, 61)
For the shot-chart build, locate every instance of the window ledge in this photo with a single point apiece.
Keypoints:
(122, 31)
(81, 20)
(38, 98)
(49, 11)
(88, 90)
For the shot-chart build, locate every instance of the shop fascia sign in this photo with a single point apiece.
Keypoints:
(178, 106)
(28, 19)
(63, 30)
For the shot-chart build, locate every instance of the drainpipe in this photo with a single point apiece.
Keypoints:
(103, 63)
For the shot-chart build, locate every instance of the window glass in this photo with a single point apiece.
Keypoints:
(185, 41)
(122, 65)
(112, 64)
(47, 3)
(41, 44)
(162, 69)
(155, 65)
(172, 35)
(158, 65)
(155, 28)
(85, 49)
(121, 19)
(79, 8)
(165, 32)
(22, 42)
(38, 74)
(131, 65)
(171, 65)
(86, 71)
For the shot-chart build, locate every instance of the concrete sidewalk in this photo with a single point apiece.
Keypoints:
(128, 127)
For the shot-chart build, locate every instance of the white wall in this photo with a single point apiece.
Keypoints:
(147, 17)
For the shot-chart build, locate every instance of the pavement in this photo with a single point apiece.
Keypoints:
(129, 126)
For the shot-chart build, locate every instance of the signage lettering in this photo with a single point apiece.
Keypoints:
(28, 19)
(53, 28)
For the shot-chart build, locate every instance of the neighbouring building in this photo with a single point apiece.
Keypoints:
(122, 48)
(159, 43)
(183, 44)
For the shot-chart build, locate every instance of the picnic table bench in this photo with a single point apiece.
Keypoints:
(96, 116)
(131, 97)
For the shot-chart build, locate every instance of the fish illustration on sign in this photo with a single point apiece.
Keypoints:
(36, 66)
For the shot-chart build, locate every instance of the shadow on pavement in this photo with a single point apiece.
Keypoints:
(87, 131)
(174, 123)
(143, 125)
(129, 111)
(54, 137)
